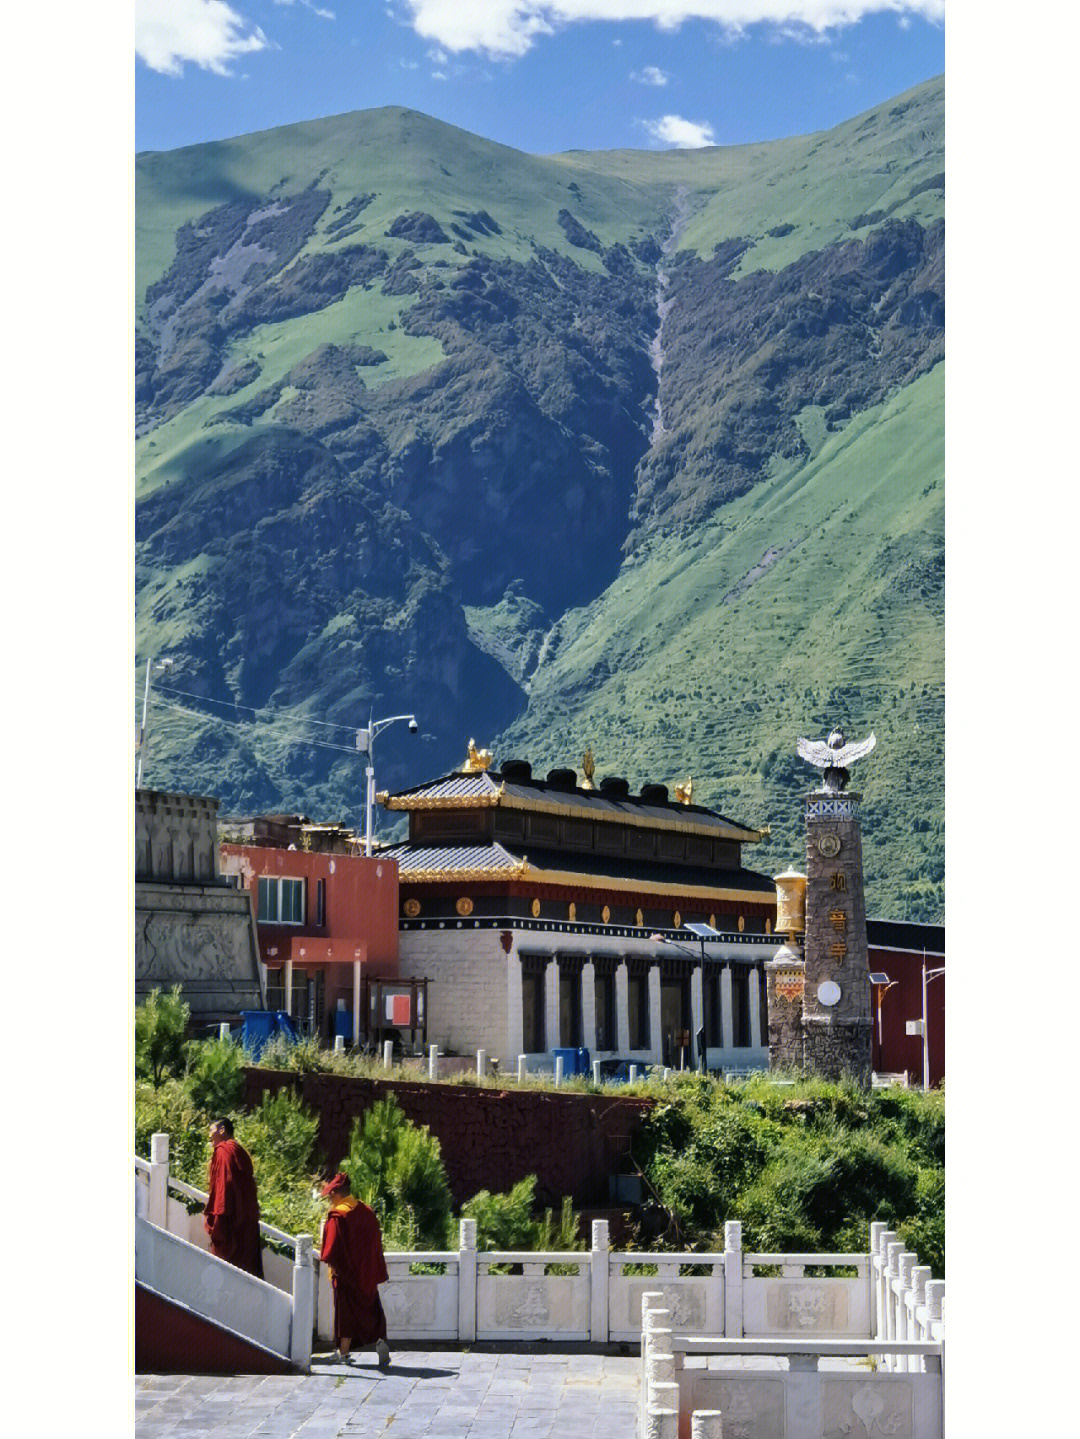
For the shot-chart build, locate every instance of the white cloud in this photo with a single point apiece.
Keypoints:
(172, 33)
(310, 5)
(683, 134)
(650, 75)
(508, 28)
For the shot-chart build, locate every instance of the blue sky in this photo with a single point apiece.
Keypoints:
(541, 75)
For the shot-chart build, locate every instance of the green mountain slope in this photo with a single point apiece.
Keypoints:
(642, 449)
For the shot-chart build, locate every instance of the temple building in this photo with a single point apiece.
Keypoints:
(549, 913)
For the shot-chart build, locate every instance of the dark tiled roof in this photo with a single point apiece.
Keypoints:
(490, 786)
(900, 934)
(451, 859)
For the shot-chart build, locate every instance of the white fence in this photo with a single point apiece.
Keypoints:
(817, 1357)
(596, 1295)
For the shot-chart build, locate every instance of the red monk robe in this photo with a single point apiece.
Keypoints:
(352, 1247)
(232, 1208)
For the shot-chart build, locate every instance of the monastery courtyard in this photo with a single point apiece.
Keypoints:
(529, 1391)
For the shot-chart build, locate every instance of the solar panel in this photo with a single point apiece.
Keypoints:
(703, 931)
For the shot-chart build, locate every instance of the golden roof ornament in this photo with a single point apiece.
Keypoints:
(588, 764)
(477, 760)
(684, 793)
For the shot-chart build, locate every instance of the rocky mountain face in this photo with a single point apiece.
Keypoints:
(425, 424)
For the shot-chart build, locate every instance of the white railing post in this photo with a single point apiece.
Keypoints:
(633, 1074)
(596, 1072)
(303, 1304)
(522, 1068)
(558, 1070)
(892, 1273)
(707, 1424)
(905, 1314)
(339, 1044)
(877, 1229)
(433, 1061)
(388, 1054)
(481, 1063)
(466, 1281)
(886, 1238)
(920, 1277)
(733, 1279)
(662, 1416)
(935, 1298)
(157, 1209)
(224, 1032)
(655, 1346)
(599, 1274)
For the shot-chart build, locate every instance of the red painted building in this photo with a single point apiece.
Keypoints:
(899, 951)
(327, 919)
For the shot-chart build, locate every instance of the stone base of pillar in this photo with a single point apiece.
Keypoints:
(833, 1048)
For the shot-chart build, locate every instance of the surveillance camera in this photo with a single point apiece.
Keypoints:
(413, 726)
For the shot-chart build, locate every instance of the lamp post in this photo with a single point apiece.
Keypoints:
(365, 741)
(927, 976)
(882, 984)
(701, 932)
(152, 666)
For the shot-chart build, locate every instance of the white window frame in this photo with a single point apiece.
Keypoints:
(278, 881)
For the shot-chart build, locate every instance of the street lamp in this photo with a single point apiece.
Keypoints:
(702, 932)
(927, 975)
(365, 741)
(152, 667)
(882, 984)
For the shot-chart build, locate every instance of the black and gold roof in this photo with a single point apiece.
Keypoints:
(515, 788)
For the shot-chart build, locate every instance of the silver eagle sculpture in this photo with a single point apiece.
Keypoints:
(833, 756)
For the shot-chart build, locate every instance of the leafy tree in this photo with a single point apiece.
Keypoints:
(215, 1077)
(160, 1024)
(396, 1167)
(169, 1109)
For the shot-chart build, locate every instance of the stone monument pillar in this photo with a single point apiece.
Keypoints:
(836, 997)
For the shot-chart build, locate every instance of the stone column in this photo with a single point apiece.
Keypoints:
(727, 1011)
(551, 1003)
(836, 1027)
(622, 1008)
(588, 1005)
(656, 1042)
(515, 1013)
(288, 987)
(755, 1008)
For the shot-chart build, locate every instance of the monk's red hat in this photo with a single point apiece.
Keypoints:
(332, 1186)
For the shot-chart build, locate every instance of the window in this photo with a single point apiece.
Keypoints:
(605, 1011)
(320, 902)
(710, 991)
(281, 901)
(740, 1005)
(570, 1008)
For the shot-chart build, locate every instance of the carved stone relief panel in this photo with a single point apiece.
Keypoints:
(752, 1408)
(411, 1303)
(510, 1302)
(866, 1407)
(805, 1308)
(686, 1302)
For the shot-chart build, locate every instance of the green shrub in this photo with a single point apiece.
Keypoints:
(396, 1167)
(169, 1109)
(160, 1024)
(280, 1137)
(215, 1077)
(504, 1221)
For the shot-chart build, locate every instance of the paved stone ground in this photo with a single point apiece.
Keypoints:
(530, 1392)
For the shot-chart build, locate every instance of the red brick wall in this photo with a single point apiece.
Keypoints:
(490, 1138)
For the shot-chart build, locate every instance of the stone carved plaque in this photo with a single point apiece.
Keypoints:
(409, 1304)
(686, 1302)
(176, 948)
(865, 1407)
(752, 1408)
(511, 1302)
(794, 1307)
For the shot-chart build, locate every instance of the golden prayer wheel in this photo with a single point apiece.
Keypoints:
(790, 902)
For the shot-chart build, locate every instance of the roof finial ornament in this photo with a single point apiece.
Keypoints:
(588, 765)
(684, 793)
(833, 755)
(476, 760)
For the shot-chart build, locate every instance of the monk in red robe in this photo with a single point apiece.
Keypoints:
(352, 1250)
(232, 1205)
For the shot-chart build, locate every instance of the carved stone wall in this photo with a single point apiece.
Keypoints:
(201, 937)
(175, 837)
